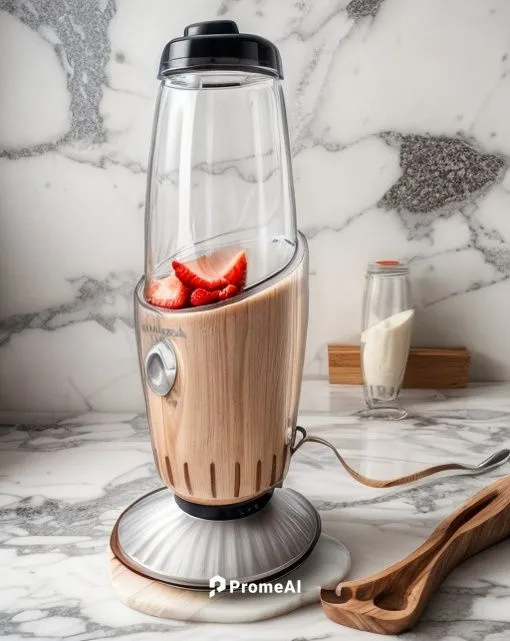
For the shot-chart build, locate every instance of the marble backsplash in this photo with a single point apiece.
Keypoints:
(400, 129)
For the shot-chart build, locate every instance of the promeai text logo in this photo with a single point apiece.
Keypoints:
(218, 584)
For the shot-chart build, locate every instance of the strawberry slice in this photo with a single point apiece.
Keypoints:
(212, 272)
(235, 272)
(202, 296)
(198, 274)
(167, 292)
(227, 292)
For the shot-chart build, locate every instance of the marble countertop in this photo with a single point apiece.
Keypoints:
(64, 481)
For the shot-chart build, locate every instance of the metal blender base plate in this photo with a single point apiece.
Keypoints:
(157, 539)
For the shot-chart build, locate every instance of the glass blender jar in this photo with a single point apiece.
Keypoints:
(220, 173)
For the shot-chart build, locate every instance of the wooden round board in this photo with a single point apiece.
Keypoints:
(327, 565)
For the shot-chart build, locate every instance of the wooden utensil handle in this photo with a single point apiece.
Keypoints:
(480, 512)
(391, 600)
(480, 523)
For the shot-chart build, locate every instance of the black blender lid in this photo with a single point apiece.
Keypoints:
(219, 45)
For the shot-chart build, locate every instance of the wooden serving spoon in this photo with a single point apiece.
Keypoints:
(392, 600)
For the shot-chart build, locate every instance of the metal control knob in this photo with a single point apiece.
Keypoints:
(161, 367)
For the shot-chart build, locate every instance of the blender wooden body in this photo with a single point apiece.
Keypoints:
(223, 433)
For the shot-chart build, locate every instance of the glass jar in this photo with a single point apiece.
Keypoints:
(220, 175)
(387, 321)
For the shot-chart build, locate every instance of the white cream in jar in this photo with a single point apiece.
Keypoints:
(385, 349)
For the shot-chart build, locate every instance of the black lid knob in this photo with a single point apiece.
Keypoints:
(212, 27)
(217, 44)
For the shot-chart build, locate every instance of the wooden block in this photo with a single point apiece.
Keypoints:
(427, 367)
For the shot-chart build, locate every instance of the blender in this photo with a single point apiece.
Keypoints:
(221, 317)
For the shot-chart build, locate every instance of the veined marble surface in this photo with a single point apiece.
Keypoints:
(65, 482)
(401, 145)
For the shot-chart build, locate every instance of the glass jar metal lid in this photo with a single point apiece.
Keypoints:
(389, 267)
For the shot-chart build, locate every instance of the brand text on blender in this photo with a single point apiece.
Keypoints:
(219, 584)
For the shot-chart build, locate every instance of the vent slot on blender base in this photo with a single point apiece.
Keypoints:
(213, 480)
(187, 480)
(169, 470)
(259, 475)
(237, 479)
